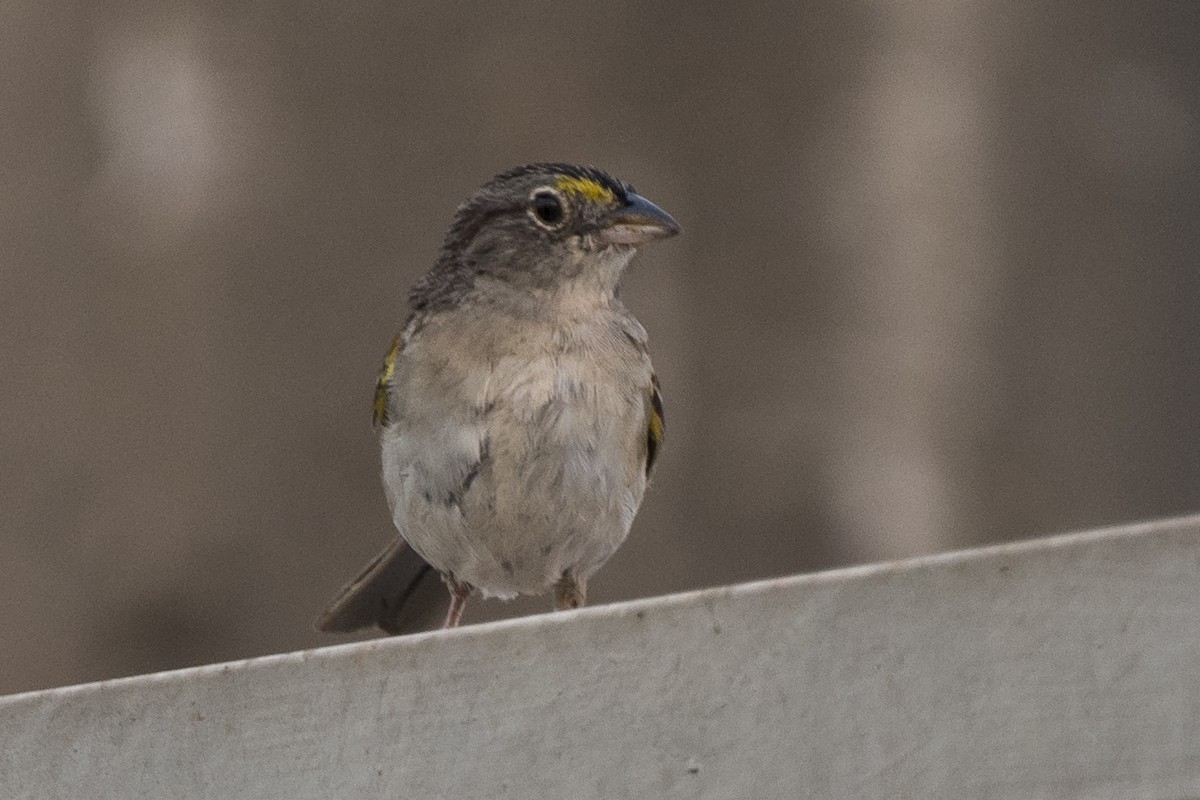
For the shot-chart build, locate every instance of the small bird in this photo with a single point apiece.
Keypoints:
(519, 416)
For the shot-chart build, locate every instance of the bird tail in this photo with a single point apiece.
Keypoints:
(384, 594)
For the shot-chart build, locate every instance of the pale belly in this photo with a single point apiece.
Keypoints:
(521, 473)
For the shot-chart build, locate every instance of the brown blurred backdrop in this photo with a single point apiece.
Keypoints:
(937, 287)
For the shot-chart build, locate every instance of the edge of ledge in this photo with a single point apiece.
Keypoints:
(1019, 548)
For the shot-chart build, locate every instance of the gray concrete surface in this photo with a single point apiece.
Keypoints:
(1059, 668)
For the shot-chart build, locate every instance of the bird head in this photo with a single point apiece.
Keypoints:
(549, 226)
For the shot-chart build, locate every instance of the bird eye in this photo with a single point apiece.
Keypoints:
(548, 208)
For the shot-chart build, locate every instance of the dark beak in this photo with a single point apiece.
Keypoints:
(637, 221)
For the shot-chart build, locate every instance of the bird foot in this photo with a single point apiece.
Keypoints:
(459, 592)
(569, 592)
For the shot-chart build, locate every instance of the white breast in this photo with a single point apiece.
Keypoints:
(508, 470)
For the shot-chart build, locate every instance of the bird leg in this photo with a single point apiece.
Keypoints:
(459, 592)
(569, 592)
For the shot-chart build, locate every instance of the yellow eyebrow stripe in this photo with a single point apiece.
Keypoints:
(587, 188)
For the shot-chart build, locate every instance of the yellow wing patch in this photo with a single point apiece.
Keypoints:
(655, 425)
(586, 188)
(384, 381)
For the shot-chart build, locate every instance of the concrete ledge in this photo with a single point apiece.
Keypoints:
(1066, 667)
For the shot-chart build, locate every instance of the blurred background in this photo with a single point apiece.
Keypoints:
(938, 286)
